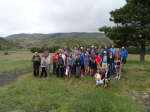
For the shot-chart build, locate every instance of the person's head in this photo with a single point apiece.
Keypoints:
(84, 53)
(79, 56)
(88, 49)
(60, 55)
(105, 47)
(123, 48)
(96, 50)
(87, 54)
(47, 52)
(112, 45)
(102, 70)
(97, 71)
(105, 53)
(55, 53)
(75, 48)
(110, 53)
(92, 46)
(72, 47)
(99, 46)
(72, 50)
(36, 53)
(75, 52)
(62, 51)
(99, 54)
(117, 56)
(70, 55)
(67, 54)
(78, 46)
(95, 47)
(84, 48)
(117, 50)
(106, 70)
(44, 52)
(65, 47)
(79, 52)
(92, 52)
(99, 49)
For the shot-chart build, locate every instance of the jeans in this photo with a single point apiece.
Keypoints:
(43, 71)
(111, 68)
(54, 68)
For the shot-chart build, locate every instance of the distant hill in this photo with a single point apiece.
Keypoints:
(9, 44)
(41, 36)
(59, 39)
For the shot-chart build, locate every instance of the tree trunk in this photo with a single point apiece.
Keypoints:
(142, 55)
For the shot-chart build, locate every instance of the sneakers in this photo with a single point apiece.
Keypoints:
(119, 77)
(82, 75)
(116, 77)
(105, 85)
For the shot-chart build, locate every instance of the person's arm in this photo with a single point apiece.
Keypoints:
(57, 63)
(67, 63)
(84, 61)
(32, 59)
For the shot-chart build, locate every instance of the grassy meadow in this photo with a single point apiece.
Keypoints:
(29, 94)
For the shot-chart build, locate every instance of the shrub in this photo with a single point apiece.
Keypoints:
(5, 53)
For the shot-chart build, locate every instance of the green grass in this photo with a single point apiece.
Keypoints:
(78, 95)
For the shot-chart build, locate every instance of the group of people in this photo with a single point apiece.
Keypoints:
(81, 61)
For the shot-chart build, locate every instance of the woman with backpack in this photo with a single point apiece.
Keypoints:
(60, 65)
(78, 66)
(43, 65)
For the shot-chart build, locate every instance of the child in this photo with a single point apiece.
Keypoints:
(86, 64)
(106, 77)
(78, 65)
(43, 65)
(98, 79)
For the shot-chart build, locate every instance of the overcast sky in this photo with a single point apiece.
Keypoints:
(51, 16)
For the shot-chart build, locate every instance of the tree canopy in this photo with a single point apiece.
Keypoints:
(132, 25)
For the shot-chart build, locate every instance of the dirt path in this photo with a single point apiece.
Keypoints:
(7, 78)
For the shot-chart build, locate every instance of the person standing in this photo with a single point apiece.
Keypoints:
(60, 65)
(111, 58)
(69, 63)
(124, 53)
(86, 64)
(36, 64)
(78, 66)
(113, 49)
(117, 62)
(54, 63)
(48, 67)
(82, 66)
(105, 60)
(92, 63)
(98, 60)
(43, 65)
(74, 57)
(92, 49)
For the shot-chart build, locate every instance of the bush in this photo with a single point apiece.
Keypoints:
(5, 53)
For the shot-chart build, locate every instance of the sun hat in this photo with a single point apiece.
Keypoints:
(105, 52)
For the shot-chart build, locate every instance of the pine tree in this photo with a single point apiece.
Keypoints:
(132, 25)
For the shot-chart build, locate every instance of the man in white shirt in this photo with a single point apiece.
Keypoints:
(63, 56)
(48, 67)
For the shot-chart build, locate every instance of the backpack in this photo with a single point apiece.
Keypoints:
(44, 63)
(78, 62)
(60, 62)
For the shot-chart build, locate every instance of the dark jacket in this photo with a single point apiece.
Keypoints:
(38, 60)
(60, 62)
(109, 60)
(107, 75)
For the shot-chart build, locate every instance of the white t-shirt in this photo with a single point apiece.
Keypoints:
(63, 56)
(49, 59)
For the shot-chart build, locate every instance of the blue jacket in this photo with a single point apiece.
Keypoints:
(124, 53)
(82, 57)
(74, 57)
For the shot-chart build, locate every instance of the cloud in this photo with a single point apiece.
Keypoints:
(49, 16)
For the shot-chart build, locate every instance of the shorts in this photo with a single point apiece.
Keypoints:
(86, 66)
(78, 69)
(124, 60)
(104, 65)
(97, 82)
(118, 69)
(69, 67)
(82, 66)
(48, 67)
(92, 65)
